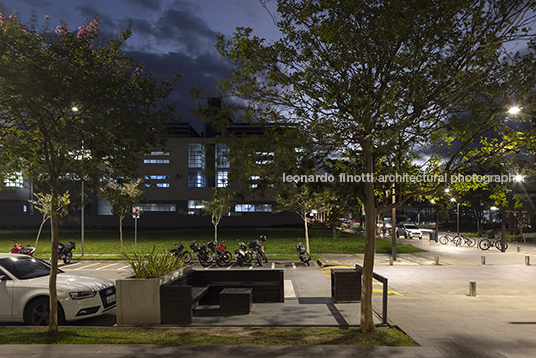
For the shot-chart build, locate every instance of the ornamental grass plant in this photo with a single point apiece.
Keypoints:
(153, 264)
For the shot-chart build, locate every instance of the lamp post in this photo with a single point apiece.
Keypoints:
(457, 214)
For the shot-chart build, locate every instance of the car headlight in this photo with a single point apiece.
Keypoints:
(82, 294)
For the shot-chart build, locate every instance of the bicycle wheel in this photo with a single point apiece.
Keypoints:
(498, 245)
(470, 241)
(484, 244)
(443, 240)
(458, 241)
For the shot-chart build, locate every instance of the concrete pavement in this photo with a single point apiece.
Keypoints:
(434, 308)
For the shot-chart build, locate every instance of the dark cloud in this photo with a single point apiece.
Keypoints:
(153, 5)
(176, 30)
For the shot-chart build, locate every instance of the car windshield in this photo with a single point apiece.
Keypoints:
(412, 227)
(25, 267)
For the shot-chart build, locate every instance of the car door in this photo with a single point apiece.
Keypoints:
(6, 296)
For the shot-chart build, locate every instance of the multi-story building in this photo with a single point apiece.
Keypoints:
(182, 177)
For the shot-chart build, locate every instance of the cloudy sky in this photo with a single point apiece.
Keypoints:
(168, 35)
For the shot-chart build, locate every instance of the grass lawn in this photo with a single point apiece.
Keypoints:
(208, 336)
(281, 241)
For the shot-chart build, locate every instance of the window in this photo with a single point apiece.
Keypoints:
(14, 181)
(159, 153)
(156, 161)
(254, 181)
(157, 177)
(157, 207)
(222, 156)
(259, 208)
(264, 158)
(196, 155)
(195, 204)
(196, 180)
(162, 185)
(222, 179)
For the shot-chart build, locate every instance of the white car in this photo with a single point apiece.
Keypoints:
(24, 293)
(409, 231)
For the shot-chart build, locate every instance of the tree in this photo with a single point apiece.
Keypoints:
(123, 196)
(44, 205)
(72, 109)
(222, 199)
(301, 199)
(405, 87)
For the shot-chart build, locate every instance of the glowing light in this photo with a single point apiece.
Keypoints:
(514, 110)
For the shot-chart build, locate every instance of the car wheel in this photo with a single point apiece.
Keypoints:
(37, 313)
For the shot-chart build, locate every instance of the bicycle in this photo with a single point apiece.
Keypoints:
(445, 239)
(492, 240)
(461, 240)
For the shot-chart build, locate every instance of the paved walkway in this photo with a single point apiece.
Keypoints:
(432, 305)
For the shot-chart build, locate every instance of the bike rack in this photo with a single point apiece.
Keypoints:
(385, 292)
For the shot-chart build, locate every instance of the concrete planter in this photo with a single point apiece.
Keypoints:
(138, 299)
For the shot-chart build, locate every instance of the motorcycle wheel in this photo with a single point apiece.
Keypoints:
(259, 259)
(187, 256)
(227, 257)
(264, 257)
(248, 257)
(204, 263)
(67, 258)
(239, 261)
(219, 260)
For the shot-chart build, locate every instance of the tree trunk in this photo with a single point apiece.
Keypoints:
(121, 232)
(304, 217)
(367, 320)
(53, 294)
(39, 232)
(503, 229)
(477, 217)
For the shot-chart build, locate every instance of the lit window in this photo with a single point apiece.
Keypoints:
(159, 153)
(259, 208)
(157, 207)
(254, 181)
(156, 161)
(196, 155)
(14, 181)
(196, 180)
(157, 177)
(264, 158)
(222, 156)
(223, 179)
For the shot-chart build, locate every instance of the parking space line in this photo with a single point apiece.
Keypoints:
(251, 267)
(273, 265)
(122, 268)
(228, 268)
(103, 267)
(83, 267)
(293, 266)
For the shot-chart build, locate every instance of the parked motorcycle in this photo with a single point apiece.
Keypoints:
(205, 258)
(65, 252)
(20, 249)
(258, 249)
(180, 253)
(243, 254)
(304, 256)
(220, 252)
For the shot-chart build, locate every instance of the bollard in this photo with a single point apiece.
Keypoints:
(527, 260)
(472, 289)
(483, 260)
(437, 260)
(518, 249)
(391, 260)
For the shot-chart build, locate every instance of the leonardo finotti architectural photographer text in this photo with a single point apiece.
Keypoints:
(404, 178)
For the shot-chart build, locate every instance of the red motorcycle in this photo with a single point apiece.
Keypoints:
(20, 249)
(220, 252)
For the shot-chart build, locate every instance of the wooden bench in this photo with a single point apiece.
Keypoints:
(530, 236)
(179, 297)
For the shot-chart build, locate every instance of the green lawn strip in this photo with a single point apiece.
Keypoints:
(281, 242)
(207, 336)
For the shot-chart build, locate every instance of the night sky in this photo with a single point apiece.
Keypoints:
(166, 35)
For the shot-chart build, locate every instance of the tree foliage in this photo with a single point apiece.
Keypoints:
(123, 195)
(222, 199)
(73, 109)
(43, 204)
(407, 87)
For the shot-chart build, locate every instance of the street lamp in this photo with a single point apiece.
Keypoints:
(457, 214)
